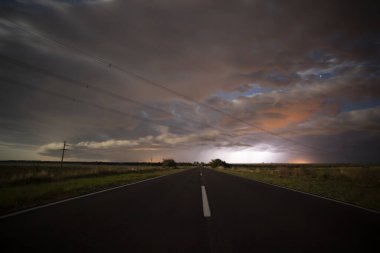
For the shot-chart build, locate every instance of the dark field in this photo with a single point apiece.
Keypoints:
(351, 183)
(26, 184)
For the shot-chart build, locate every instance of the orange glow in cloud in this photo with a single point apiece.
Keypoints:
(292, 113)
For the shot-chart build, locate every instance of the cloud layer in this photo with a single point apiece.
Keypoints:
(297, 79)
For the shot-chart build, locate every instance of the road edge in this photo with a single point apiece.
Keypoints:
(4, 216)
(302, 192)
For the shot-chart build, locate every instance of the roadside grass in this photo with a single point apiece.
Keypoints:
(32, 173)
(27, 186)
(359, 185)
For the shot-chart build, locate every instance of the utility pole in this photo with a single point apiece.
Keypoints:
(63, 152)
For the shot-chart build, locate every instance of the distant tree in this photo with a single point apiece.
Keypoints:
(218, 163)
(169, 163)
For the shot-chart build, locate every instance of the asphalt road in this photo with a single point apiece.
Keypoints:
(167, 215)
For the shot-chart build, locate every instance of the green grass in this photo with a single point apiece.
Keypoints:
(22, 187)
(359, 185)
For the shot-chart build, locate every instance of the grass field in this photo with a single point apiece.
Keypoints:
(28, 184)
(355, 184)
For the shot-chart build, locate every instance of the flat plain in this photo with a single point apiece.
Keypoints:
(27, 184)
(357, 184)
(166, 214)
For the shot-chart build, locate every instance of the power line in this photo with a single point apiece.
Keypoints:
(110, 64)
(106, 92)
(84, 85)
(71, 99)
(79, 101)
(77, 83)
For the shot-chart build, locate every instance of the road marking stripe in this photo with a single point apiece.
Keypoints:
(206, 207)
(79, 197)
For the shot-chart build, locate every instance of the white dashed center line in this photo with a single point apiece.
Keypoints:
(206, 207)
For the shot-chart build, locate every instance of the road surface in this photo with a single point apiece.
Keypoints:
(176, 214)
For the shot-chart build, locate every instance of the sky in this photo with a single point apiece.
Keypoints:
(246, 81)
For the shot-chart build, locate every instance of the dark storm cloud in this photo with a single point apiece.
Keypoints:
(290, 67)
